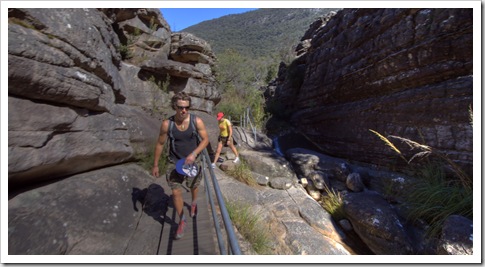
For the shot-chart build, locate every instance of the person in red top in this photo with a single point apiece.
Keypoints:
(225, 138)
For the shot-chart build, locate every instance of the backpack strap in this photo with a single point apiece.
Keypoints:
(170, 134)
(193, 121)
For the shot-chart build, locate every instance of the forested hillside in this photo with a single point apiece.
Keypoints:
(249, 48)
(258, 33)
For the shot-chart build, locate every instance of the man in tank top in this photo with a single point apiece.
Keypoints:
(184, 144)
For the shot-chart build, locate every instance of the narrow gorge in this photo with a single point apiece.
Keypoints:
(88, 89)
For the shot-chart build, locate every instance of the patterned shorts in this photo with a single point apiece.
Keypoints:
(175, 180)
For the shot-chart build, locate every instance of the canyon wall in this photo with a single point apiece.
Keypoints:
(401, 72)
(86, 87)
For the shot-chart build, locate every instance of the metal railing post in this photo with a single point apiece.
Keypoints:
(253, 128)
(234, 245)
(222, 248)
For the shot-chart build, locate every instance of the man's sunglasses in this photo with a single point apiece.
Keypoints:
(181, 108)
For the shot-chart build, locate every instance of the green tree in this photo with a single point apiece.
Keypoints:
(239, 78)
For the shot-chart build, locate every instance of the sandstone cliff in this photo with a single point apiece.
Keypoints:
(86, 87)
(402, 72)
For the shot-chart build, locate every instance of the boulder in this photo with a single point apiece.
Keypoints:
(261, 179)
(48, 141)
(89, 213)
(185, 77)
(319, 179)
(268, 164)
(305, 161)
(189, 48)
(354, 182)
(145, 92)
(313, 213)
(456, 237)
(375, 221)
(227, 166)
(313, 191)
(281, 183)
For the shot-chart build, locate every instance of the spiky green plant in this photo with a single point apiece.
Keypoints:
(332, 202)
(434, 198)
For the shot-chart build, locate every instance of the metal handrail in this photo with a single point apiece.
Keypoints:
(233, 243)
(245, 119)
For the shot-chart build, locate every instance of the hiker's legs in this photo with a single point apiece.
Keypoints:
(233, 148)
(218, 151)
(175, 181)
(178, 201)
(194, 192)
(193, 184)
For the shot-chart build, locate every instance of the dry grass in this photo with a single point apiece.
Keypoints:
(424, 151)
(389, 144)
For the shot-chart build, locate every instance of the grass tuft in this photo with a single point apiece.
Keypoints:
(250, 226)
(243, 173)
(438, 193)
(145, 160)
(332, 202)
(434, 197)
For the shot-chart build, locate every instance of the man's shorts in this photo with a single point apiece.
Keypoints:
(175, 180)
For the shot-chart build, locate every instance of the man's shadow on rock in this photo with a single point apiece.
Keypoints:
(154, 201)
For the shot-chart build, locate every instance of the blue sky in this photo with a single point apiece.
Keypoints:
(181, 18)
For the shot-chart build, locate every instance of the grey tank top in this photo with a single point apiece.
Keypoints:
(184, 141)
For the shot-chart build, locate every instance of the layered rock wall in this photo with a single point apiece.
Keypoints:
(86, 87)
(402, 72)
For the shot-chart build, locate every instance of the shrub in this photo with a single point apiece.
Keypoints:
(125, 52)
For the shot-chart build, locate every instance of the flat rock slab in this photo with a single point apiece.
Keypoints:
(101, 213)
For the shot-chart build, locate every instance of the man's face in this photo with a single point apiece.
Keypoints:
(182, 108)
